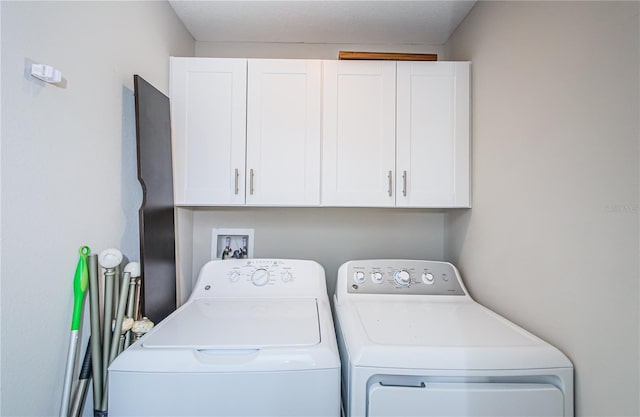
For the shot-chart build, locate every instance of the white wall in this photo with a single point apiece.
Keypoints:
(552, 239)
(68, 168)
(330, 236)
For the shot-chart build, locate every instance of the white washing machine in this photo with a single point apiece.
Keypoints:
(414, 343)
(255, 338)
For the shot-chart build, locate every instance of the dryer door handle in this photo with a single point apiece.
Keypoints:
(420, 385)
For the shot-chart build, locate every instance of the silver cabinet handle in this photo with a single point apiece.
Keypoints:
(404, 183)
(390, 176)
(251, 181)
(237, 179)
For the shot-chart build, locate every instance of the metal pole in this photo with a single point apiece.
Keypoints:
(134, 269)
(96, 347)
(109, 259)
(108, 317)
(122, 302)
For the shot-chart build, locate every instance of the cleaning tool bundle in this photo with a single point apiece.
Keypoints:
(113, 305)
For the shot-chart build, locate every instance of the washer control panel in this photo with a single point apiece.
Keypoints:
(402, 277)
(263, 277)
(261, 272)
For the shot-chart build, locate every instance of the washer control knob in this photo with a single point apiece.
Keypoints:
(428, 278)
(402, 277)
(234, 276)
(376, 277)
(260, 277)
(286, 276)
(359, 277)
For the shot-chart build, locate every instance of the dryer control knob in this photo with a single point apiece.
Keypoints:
(260, 277)
(359, 277)
(377, 277)
(402, 277)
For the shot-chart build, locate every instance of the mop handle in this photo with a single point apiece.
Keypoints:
(80, 282)
(68, 375)
(83, 383)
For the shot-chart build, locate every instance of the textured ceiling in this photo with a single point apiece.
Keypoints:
(339, 22)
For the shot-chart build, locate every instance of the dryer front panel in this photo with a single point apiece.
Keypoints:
(465, 400)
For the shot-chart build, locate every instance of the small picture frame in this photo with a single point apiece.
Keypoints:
(231, 243)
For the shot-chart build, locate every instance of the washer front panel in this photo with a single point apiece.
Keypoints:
(402, 277)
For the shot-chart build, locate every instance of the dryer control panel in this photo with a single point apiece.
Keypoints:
(401, 277)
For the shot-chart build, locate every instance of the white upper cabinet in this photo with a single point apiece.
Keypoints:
(395, 134)
(283, 132)
(246, 131)
(208, 110)
(320, 133)
(432, 141)
(358, 152)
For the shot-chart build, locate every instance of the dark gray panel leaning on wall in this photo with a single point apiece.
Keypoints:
(157, 233)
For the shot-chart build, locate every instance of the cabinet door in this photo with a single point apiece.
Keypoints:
(208, 103)
(283, 132)
(433, 134)
(358, 154)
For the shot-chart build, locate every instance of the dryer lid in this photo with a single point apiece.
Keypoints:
(239, 324)
(445, 324)
(440, 335)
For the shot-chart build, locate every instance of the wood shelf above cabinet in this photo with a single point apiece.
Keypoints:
(385, 56)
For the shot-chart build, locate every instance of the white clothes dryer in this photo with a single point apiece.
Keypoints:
(255, 338)
(414, 343)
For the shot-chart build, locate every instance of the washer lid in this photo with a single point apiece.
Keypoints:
(239, 324)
